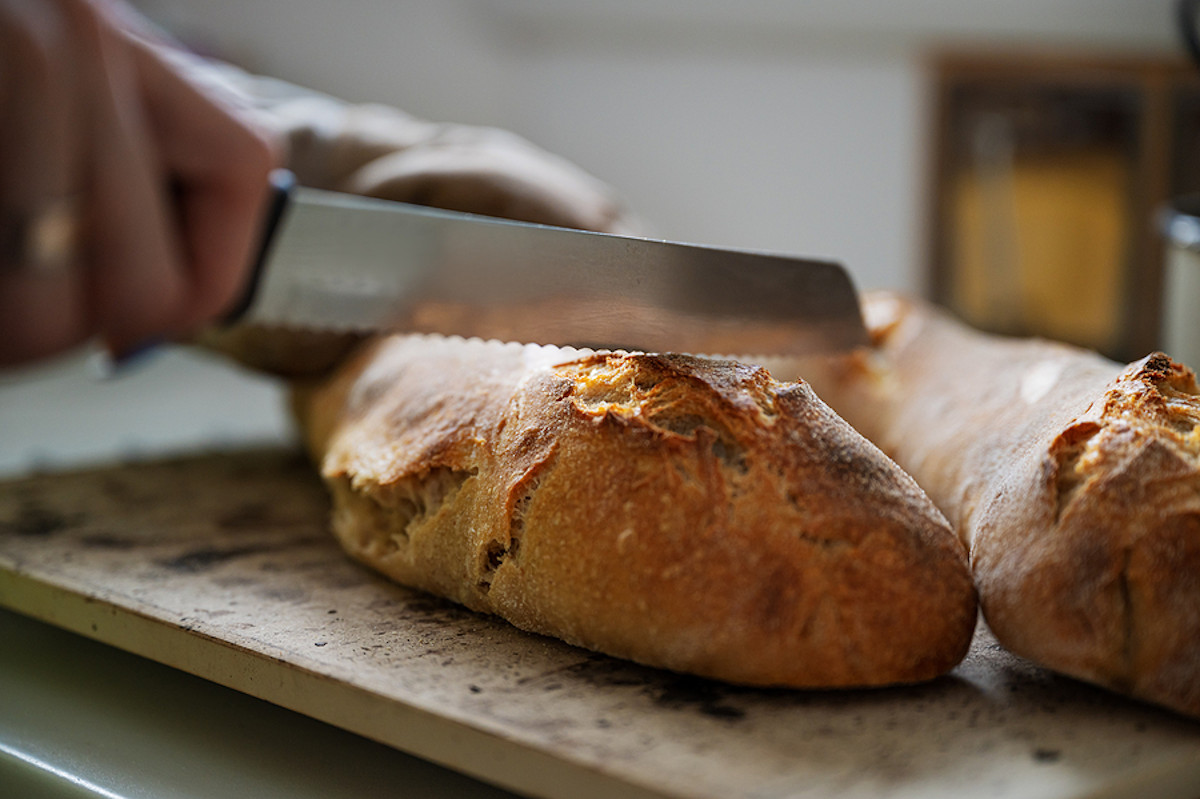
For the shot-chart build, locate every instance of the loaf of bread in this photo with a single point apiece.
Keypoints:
(685, 513)
(1073, 480)
(682, 512)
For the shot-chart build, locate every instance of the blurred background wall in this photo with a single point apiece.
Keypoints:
(796, 125)
(792, 125)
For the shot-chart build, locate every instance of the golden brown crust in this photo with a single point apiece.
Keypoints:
(1074, 481)
(681, 512)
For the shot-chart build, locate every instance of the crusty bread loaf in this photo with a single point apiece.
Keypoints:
(686, 513)
(1074, 480)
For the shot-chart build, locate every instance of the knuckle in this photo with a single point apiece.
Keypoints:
(262, 147)
(262, 150)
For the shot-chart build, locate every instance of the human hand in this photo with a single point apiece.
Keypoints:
(383, 152)
(130, 189)
(490, 171)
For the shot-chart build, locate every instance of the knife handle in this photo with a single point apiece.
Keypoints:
(282, 183)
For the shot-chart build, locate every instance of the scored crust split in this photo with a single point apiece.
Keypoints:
(685, 513)
(1073, 480)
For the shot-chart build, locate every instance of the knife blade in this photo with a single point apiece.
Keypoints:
(340, 262)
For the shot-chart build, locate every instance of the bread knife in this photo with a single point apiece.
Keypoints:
(345, 263)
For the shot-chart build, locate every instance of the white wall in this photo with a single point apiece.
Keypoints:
(802, 156)
(774, 124)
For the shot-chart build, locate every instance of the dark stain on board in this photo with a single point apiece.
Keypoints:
(1044, 755)
(693, 693)
(665, 689)
(35, 521)
(205, 558)
(250, 516)
(107, 541)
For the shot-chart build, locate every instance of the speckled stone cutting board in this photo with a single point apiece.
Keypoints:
(220, 565)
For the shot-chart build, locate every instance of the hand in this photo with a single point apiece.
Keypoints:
(130, 190)
(383, 152)
(493, 172)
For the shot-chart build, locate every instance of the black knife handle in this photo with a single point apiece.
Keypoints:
(282, 182)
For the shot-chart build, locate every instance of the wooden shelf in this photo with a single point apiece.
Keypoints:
(1049, 170)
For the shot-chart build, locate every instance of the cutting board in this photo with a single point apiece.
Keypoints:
(221, 565)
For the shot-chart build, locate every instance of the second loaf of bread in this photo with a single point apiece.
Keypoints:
(1074, 481)
(681, 512)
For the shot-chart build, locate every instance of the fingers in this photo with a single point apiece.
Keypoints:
(42, 308)
(168, 174)
(219, 162)
(136, 277)
(204, 188)
(496, 173)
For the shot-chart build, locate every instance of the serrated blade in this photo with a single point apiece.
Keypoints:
(342, 262)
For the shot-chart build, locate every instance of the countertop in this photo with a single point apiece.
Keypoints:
(79, 719)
